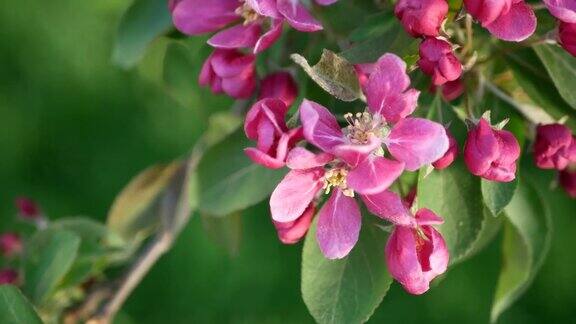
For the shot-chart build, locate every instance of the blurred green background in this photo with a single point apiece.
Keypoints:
(74, 129)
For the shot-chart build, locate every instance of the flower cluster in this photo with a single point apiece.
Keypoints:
(360, 160)
(565, 12)
(243, 29)
(555, 148)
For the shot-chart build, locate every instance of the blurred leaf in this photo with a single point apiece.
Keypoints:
(372, 26)
(561, 67)
(453, 194)
(49, 256)
(225, 231)
(130, 214)
(490, 227)
(346, 290)
(142, 22)
(174, 206)
(179, 76)
(388, 37)
(527, 236)
(15, 308)
(334, 74)
(220, 125)
(229, 181)
(497, 195)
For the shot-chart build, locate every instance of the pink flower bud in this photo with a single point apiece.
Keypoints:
(281, 86)
(567, 37)
(450, 155)
(491, 153)
(230, 72)
(293, 232)
(421, 17)
(554, 147)
(27, 208)
(10, 244)
(568, 182)
(8, 276)
(265, 124)
(417, 255)
(487, 11)
(438, 60)
(510, 20)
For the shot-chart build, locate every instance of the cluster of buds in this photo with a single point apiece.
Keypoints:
(356, 163)
(555, 149)
(255, 26)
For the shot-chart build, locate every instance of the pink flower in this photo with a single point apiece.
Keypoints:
(230, 72)
(279, 85)
(567, 37)
(415, 255)
(421, 17)
(451, 90)
(249, 18)
(28, 209)
(265, 124)
(568, 181)
(293, 232)
(10, 244)
(8, 276)
(510, 20)
(438, 60)
(450, 155)
(564, 10)
(554, 147)
(491, 153)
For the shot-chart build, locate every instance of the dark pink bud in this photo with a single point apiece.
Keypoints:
(265, 124)
(451, 90)
(281, 86)
(421, 17)
(438, 60)
(450, 155)
(567, 37)
(230, 72)
(491, 153)
(8, 276)
(10, 244)
(293, 232)
(27, 208)
(554, 147)
(568, 182)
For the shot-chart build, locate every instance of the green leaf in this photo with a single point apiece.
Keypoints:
(130, 215)
(179, 74)
(142, 22)
(497, 195)
(561, 67)
(346, 290)
(49, 256)
(527, 238)
(228, 181)
(225, 231)
(454, 194)
(15, 308)
(334, 74)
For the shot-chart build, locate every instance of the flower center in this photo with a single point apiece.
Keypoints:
(246, 12)
(362, 126)
(336, 178)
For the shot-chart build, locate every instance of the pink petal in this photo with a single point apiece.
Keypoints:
(239, 36)
(354, 154)
(339, 225)
(193, 17)
(274, 110)
(320, 126)
(279, 85)
(297, 16)
(325, 2)
(417, 142)
(241, 87)
(300, 158)
(263, 159)
(438, 257)
(516, 25)
(564, 10)
(264, 7)
(389, 206)
(425, 216)
(270, 37)
(374, 175)
(481, 148)
(292, 232)
(294, 193)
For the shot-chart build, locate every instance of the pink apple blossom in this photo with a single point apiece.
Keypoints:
(446, 160)
(265, 124)
(554, 147)
(230, 72)
(510, 20)
(567, 179)
(491, 153)
(421, 17)
(567, 37)
(437, 59)
(564, 10)
(280, 85)
(10, 244)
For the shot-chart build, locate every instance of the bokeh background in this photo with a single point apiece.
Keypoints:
(74, 129)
